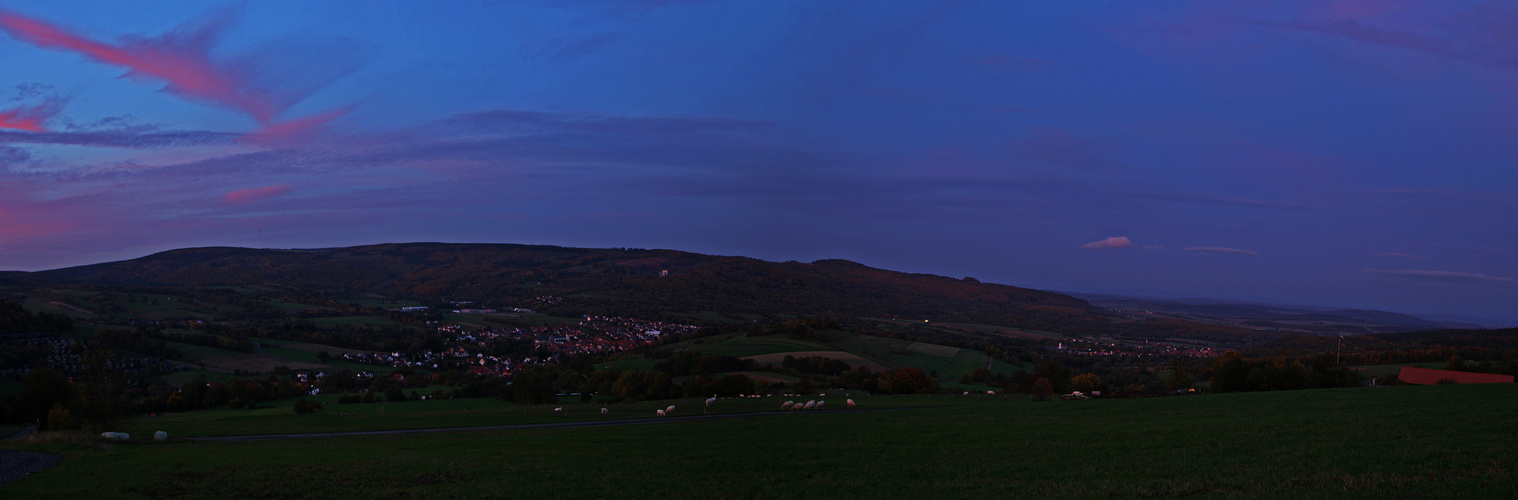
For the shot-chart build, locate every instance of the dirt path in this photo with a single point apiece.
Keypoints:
(18, 464)
(549, 425)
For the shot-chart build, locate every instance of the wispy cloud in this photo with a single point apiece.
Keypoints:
(1440, 275)
(30, 118)
(1234, 251)
(1355, 30)
(256, 194)
(119, 139)
(1006, 65)
(1062, 148)
(1399, 254)
(181, 59)
(1109, 243)
(13, 156)
(895, 94)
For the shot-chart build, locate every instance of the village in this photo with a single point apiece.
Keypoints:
(1109, 347)
(478, 350)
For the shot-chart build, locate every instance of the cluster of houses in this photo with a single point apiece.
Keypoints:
(64, 356)
(595, 334)
(1106, 347)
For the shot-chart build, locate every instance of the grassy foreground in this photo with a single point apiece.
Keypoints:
(1453, 441)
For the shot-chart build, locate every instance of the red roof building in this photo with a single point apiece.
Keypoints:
(1425, 376)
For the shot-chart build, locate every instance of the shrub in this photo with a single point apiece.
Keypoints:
(60, 418)
(302, 406)
(1042, 389)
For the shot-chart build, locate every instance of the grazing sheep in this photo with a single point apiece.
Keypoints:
(787, 405)
(160, 436)
(711, 401)
(605, 411)
(820, 403)
(670, 410)
(659, 412)
(809, 405)
(990, 392)
(558, 410)
(850, 403)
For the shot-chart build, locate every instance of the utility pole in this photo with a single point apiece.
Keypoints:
(1341, 351)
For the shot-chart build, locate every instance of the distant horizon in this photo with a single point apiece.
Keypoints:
(1484, 322)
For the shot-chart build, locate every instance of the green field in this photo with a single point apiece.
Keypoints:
(194, 353)
(1451, 441)
(337, 417)
(1371, 371)
(948, 362)
(754, 346)
(351, 320)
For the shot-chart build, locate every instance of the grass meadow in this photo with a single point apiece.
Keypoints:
(1452, 441)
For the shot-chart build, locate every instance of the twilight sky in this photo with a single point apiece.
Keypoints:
(1340, 153)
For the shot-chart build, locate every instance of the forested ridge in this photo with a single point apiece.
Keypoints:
(628, 282)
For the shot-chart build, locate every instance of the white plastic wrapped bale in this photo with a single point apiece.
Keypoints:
(116, 436)
(160, 436)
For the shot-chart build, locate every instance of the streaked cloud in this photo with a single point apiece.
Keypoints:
(1003, 64)
(1226, 250)
(1062, 148)
(119, 139)
(30, 118)
(1440, 275)
(1399, 254)
(256, 194)
(181, 59)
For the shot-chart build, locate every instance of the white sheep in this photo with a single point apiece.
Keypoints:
(711, 401)
(787, 405)
(850, 403)
(809, 405)
(820, 403)
(160, 436)
(991, 392)
(558, 410)
(670, 410)
(659, 412)
(605, 411)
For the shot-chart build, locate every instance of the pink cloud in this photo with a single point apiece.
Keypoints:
(294, 130)
(29, 118)
(23, 221)
(256, 194)
(1109, 243)
(180, 58)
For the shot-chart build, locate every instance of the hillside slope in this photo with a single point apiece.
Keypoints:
(609, 281)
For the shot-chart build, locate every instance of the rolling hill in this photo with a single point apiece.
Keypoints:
(633, 282)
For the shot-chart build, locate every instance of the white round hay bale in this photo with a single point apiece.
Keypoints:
(160, 436)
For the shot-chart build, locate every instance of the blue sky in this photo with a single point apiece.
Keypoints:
(1341, 153)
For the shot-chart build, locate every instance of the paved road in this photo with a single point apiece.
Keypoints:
(548, 425)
